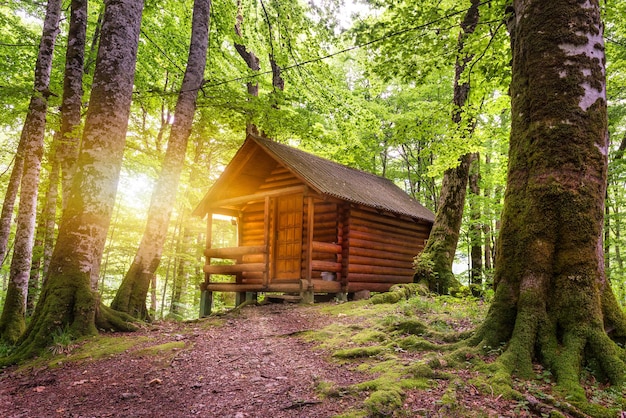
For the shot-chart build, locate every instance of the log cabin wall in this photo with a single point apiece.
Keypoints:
(381, 249)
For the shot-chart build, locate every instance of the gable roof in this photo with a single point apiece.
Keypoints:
(331, 179)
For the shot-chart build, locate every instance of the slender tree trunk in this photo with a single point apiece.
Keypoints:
(182, 272)
(12, 323)
(8, 204)
(67, 298)
(131, 296)
(252, 61)
(68, 136)
(553, 302)
(476, 250)
(433, 266)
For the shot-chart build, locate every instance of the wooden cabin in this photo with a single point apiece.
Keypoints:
(308, 225)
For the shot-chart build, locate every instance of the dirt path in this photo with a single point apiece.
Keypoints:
(251, 366)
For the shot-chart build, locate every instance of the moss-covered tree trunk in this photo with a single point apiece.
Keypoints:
(433, 267)
(131, 296)
(553, 302)
(12, 322)
(68, 300)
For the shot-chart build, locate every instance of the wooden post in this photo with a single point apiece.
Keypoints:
(206, 297)
(309, 237)
(206, 303)
(266, 241)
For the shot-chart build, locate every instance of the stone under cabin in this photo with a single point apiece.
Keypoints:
(307, 225)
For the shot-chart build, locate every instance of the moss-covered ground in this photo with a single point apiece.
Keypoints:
(414, 349)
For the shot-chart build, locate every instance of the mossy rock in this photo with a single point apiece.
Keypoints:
(383, 403)
(415, 343)
(410, 326)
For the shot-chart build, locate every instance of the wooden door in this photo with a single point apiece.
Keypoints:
(288, 237)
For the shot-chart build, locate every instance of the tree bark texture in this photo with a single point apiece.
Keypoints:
(131, 296)
(12, 322)
(553, 302)
(433, 266)
(68, 299)
(68, 136)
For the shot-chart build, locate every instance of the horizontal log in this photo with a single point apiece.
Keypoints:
(234, 252)
(252, 226)
(406, 263)
(252, 276)
(252, 280)
(326, 286)
(385, 239)
(375, 217)
(373, 245)
(246, 238)
(324, 236)
(233, 268)
(253, 258)
(380, 229)
(239, 200)
(319, 265)
(251, 242)
(326, 247)
(360, 268)
(280, 175)
(373, 287)
(273, 184)
(326, 226)
(325, 217)
(378, 278)
(232, 287)
(364, 252)
(250, 217)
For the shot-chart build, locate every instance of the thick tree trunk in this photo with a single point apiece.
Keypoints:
(131, 296)
(553, 302)
(67, 299)
(433, 266)
(12, 322)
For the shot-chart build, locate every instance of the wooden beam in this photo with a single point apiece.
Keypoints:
(326, 247)
(239, 200)
(379, 278)
(234, 252)
(233, 268)
(318, 265)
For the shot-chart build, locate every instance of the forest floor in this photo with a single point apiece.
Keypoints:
(273, 360)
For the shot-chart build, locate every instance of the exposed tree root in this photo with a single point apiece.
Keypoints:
(400, 292)
(108, 319)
